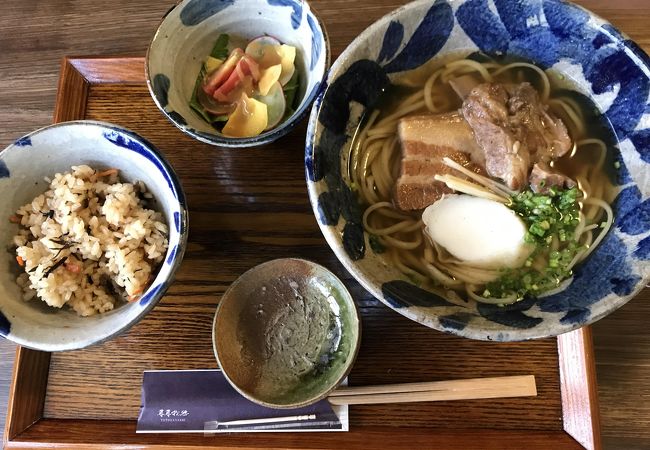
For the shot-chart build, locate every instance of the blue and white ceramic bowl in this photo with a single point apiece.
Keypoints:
(23, 167)
(604, 64)
(188, 33)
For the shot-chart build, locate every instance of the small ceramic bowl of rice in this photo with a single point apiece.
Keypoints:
(95, 228)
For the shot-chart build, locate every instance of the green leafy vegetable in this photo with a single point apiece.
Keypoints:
(220, 49)
(200, 110)
(194, 102)
(290, 93)
(548, 217)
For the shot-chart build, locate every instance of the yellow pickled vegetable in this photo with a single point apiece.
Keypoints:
(212, 64)
(268, 78)
(249, 118)
(288, 56)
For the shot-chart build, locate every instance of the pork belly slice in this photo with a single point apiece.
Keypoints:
(543, 177)
(425, 141)
(514, 129)
(426, 136)
(416, 187)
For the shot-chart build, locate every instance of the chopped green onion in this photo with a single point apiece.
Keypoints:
(548, 216)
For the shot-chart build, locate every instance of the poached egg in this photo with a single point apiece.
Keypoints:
(483, 233)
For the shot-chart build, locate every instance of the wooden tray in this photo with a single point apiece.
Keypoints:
(250, 206)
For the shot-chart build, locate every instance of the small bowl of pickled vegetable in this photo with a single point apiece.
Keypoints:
(240, 73)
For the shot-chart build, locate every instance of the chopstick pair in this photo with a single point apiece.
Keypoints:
(468, 389)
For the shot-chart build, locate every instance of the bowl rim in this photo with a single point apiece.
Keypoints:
(275, 133)
(178, 257)
(354, 312)
(333, 238)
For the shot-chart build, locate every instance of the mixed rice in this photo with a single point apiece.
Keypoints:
(89, 242)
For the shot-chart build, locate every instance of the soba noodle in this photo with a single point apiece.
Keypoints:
(374, 169)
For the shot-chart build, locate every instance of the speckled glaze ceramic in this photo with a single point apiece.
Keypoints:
(188, 33)
(286, 333)
(605, 66)
(23, 167)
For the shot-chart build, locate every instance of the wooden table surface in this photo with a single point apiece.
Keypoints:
(36, 34)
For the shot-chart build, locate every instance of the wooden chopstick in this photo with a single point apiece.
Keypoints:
(475, 388)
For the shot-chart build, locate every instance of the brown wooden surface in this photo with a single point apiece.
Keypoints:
(7, 352)
(580, 411)
(37, 34)
(29, 385)
(76, 437)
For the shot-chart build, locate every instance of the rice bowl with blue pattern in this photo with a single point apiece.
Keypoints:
(186, 44)
(579, 240)
(97, 227)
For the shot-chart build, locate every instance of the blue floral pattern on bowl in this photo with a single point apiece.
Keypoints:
(188, 33)
(56, 149)
(605, 66)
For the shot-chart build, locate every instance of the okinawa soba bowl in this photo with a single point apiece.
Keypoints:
(606, 78)
(61, 255)
(191, 31)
